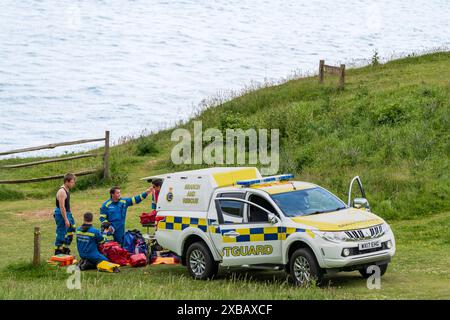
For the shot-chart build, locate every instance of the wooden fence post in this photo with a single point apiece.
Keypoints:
(106, 173)
(37, 246)
(342, 76)
(321, 64)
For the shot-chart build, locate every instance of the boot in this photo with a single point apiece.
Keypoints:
(85, 264)
(58, 251)
(66, 250)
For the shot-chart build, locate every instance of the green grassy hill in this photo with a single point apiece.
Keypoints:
(390, 126)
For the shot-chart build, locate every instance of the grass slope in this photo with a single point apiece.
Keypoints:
(390, 126)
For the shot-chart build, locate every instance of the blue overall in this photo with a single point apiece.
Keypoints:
(116, 213)
(88, 239)
(64, 235)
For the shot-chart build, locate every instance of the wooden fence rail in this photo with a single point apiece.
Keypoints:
(35, 163)
(105, 169)
(323, 68)
(50, 146)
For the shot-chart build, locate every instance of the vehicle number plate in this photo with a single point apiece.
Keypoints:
(369, 245)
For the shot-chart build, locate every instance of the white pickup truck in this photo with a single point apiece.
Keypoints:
(236, 217)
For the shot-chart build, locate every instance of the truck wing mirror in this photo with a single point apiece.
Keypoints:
(360, 203)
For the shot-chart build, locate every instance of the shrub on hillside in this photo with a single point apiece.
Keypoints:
(391, 114)
(229, 120)
(145, 146)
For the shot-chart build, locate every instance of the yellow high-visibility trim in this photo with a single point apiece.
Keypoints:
(177, 226)
(90, 234)
(243, 231)
(108, 203)
(290, 230)
(161, 225)
(271, 230)
(338, 226)
(185, 220)
(312, 235)
(257, 237)
(231, 177)
(133, 200)
(228, 239)
(282, 188)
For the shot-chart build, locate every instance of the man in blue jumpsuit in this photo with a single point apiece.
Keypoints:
(88, 239)
(65, 224)
(114, 210)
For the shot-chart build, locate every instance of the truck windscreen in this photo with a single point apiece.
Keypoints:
(307, 201)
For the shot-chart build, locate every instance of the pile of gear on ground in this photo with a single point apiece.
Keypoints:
(137, 251)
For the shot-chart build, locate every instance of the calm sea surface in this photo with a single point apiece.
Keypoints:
(72, 69)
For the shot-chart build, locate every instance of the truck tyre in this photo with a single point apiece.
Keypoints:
(365, 274)
(304, 269)
(200, 262)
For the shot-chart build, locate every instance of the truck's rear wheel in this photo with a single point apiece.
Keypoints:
(365, 273)
(200, 262)
(304, 268)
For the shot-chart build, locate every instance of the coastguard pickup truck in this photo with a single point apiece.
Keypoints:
(235, 217)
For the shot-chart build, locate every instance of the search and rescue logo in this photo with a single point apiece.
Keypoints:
(169, 196)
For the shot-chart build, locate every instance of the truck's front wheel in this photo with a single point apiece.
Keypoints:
(304, 268)
(200, 262)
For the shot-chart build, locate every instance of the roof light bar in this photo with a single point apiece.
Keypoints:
(279, 177)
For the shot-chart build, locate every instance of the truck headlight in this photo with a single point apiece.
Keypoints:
(330, 235)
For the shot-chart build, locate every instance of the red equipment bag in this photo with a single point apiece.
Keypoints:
(148, 217)
(138, 260)
(115, 253)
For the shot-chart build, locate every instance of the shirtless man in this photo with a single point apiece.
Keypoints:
(65, 224)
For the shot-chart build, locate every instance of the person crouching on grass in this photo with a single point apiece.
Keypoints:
(65, 224)
(88, 239)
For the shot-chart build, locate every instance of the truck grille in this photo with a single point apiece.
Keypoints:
(368, 233)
